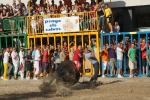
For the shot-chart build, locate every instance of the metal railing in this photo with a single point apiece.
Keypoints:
(87, 21)
(13, 25)
(136, 36)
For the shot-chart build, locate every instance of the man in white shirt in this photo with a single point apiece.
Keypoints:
(15, 60)
(119, 59)
(22, 62)
(37, 60)
(5, 61)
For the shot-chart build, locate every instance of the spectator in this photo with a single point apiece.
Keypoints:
(25, 11)
(104, 55)
(4, 14)
(77, 56)
(5, 61)
(112, 56)
(60, 6)
(62, 55)
(120, 52)
(15, 60)
(132, 60)
(143, 50)
(45, 58)
(148, 55)
(28, 64)
(21, 4)
(116, 27)
(71, 54)
(37, 60)
(22, 62)
(108, 13)
(101, 19)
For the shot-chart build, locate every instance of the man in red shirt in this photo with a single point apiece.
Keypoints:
(143, 50)
(45, 61)
(77, 56)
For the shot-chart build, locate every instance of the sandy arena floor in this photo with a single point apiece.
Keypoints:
(111, 89)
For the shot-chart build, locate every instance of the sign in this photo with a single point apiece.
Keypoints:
(64, 24)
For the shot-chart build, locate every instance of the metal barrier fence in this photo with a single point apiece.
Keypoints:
(132, 36)
(83, 39)
(87, 21)
(13, 25)
(11, 41)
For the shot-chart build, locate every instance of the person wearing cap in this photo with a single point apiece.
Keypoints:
(91, 57)
(22, 63)
(132, 60)
(15, 60)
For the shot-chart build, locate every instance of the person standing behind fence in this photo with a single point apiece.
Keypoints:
(120, 52)
(108, 13)
(62, 55)
(112, 56)
(22, 63)
(37, 64)
(15, 60)
(77, 56)
(104, 55)
(132, 60)
(45, 61)
(143, 50)
(148, 55)
(5, 61)
(28, 64)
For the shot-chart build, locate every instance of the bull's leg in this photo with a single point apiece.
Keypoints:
(45, 86)
(62, 90)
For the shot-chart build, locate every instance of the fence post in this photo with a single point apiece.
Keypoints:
(147, 66)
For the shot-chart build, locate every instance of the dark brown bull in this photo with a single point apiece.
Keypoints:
(66, 75)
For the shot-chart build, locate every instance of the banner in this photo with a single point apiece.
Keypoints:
(64, 24)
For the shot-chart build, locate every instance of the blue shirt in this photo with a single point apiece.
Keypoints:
(33, 54)
(93, 60)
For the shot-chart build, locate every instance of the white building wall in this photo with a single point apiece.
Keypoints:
(115, 3)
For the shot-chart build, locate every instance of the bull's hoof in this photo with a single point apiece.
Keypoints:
(63, 92)
(45, 87)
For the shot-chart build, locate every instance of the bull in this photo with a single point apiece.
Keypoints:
(66, 76)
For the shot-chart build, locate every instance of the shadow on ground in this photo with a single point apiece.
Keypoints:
(25, 96)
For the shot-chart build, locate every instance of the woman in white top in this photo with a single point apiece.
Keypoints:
(5, 61)
(15, 60)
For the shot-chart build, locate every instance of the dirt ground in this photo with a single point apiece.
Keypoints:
(110, 89)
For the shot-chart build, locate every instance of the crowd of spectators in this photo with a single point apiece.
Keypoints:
(87, 19)
(42, 61)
